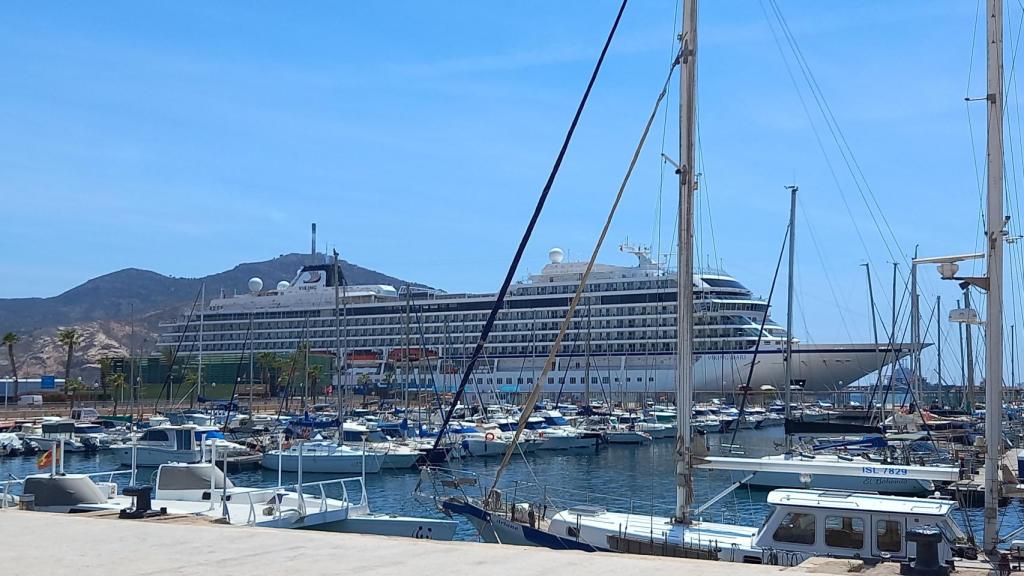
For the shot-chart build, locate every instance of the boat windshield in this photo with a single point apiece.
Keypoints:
(556, 421)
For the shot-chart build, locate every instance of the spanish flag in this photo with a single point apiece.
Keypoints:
(46, 458)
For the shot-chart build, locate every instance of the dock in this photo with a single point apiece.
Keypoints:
(104, 545)
(240, 463)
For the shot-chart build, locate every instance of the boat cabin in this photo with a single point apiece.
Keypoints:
(170, 437)
(853, 525)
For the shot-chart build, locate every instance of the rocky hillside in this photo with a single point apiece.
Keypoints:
(103, 308)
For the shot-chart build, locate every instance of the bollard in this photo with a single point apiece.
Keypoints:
(927, 561)
(27, 502)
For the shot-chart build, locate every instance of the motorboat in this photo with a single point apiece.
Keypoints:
(202, 490)
(52, 432)
(186, 443)
(321, 457)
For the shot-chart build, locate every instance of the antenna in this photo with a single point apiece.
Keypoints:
(313, 244)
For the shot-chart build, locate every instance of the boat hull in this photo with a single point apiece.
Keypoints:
(150, 457)
(893, 486)
(322, 464)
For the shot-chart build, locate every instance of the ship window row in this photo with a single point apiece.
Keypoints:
(499, 349)
(481, 308)
(663, 315)
(379, 338)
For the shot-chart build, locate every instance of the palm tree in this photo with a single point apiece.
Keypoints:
(69, 338)
(104, 374)
(314, 378)
(363, 380)
(10, 339)
(72, 386)
(266, 361)
(116, 383)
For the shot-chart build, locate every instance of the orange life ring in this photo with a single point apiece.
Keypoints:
(489, 436)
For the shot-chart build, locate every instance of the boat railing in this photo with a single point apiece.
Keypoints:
(324, 495)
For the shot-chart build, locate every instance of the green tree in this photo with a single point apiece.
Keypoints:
(69, 338)
(10, 339)
(266, 361)
(73, 387)
(363, 380)
(313, 374)
(116, 382)
(104, 374)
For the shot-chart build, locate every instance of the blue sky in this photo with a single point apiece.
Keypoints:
(187, 137)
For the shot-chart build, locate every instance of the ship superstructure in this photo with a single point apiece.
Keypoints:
(622, 336)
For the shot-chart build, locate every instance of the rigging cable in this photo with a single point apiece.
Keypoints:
(760, 335)
(566, 322)
(168, 382)
(510, 274)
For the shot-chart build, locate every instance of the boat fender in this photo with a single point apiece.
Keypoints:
(489, 436)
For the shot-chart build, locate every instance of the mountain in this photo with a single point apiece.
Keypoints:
(103, 309)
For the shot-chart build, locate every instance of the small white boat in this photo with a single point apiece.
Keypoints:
(166, 444)
(321, 457)
(626, 436)
(203, 490)
(53, 432)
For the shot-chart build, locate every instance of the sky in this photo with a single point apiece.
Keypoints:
(188, 137)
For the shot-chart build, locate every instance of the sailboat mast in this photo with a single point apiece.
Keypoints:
(938, 347)
(339, 353)
(789, 309)
(684, 274)
(994, 296)
(202, 316)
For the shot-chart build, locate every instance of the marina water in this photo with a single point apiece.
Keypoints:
(622, 477)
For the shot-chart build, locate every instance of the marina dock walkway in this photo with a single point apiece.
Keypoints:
(41, 543)
(85, 545)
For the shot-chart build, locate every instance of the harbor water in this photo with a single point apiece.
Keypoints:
(622, 477)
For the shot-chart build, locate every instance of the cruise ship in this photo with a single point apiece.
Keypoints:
(622, 337)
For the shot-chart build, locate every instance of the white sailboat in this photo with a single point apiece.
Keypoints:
(803, 523)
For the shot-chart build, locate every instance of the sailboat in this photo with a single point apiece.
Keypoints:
(803, 523)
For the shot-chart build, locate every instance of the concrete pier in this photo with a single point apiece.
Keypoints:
(40, 543)
(85, 545)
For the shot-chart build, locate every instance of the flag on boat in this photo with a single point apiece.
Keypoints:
(46, 458)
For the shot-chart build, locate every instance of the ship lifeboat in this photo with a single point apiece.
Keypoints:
(363, 357)
(411, 354)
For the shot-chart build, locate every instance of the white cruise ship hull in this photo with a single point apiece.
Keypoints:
(820, 367)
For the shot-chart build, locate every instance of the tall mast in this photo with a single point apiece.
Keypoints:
(994, 296)
(340, 354)
(202, 310)
(684, 274)
(938, 346)
(871, 302)
(789, 309)
(969, 397)
(915, 334)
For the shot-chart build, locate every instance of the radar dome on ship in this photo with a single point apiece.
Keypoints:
(556, 255)
(283, 285)
(255, 284)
